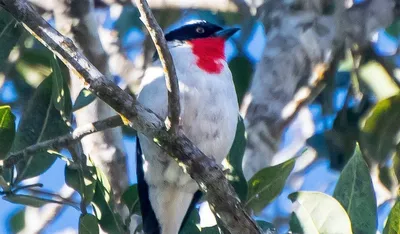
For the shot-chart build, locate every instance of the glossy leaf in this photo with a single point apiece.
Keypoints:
(41, 121)
(131, 199)
(110, 221)
(7, 130)
(11, 30)
(355, 192)
(88, 224)
(267, 184)
(377, 138)
(393, 222)
(60, 93)
(28, 200)
(234, 160)
(84, 185)
(85, 97)
(317, 212)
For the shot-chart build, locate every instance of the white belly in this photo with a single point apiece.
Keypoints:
(209, 114)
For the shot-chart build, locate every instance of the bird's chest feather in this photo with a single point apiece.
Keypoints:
(209, 114)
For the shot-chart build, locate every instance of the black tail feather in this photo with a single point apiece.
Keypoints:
(150, 222)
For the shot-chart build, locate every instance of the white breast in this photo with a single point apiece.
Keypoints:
(209, 113)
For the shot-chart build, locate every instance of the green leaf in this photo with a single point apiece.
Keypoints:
(109, 220)
(267, 184)
(28, 200)
(393, 222)
(84, 98)
(7, 130)
(16, 221)
(88, 224)
(266, 227)
(377, 137)
(41, 121)
(355, 192)
(131, 199)
(192, 225)
(210, 230)
(73, 178)
(394, 29)
(242, 69)
(319, 213)
(60, 93)
(235, 158)
(10, 32)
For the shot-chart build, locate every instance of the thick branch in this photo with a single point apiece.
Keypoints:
(171, 80)
(64, 141)
(204, 170)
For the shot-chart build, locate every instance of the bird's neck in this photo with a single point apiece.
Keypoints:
(209, 52)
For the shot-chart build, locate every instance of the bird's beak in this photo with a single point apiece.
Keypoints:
(226, 33)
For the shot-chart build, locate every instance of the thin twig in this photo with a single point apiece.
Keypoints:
(171, 79)
(65, 140)
(204, 170)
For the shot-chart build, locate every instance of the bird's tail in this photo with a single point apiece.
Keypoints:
(171, 205)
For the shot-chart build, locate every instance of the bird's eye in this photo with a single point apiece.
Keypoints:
(200, 30)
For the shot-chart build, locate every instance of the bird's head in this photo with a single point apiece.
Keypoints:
(207, 41)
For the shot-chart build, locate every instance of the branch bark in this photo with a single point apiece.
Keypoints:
(171, 80)
(64, 141)
(204, 170)
(299, 39)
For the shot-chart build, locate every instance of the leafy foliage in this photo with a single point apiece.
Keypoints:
(11, 30)
(234, 160)
(318, 213)
(85, 97)
(41, 121)
(393, 222)
(88, 224)
(355, 192)
(267, 184)
(380, 129)
(7, 130)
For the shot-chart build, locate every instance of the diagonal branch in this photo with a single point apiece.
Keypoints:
(66, 140)
(204, 170)
(171, 80)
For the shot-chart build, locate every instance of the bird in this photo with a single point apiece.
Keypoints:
(209, 116)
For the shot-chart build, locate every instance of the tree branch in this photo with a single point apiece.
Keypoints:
(171, 80)
(204, 170)
(76, 19)
(65, 140)
(37, 219)
(299, 39)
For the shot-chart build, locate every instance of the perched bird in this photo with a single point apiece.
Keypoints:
(209, 114)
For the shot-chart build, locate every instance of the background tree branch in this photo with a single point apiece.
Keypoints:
(211, 179)
(76, 19)
(64, 141)
(299, 39)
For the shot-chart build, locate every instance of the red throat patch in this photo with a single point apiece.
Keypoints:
(209, 52)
